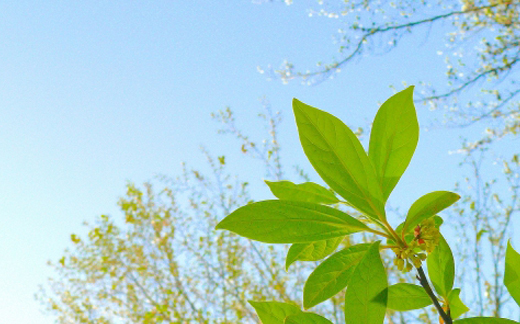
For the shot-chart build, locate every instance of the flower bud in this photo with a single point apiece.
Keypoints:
(426, 235)
(408, 268)
(417, 262)
(400, 264)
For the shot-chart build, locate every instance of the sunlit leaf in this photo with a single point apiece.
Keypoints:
(338, 157)
(312, 251)
(366, 296)
(272, 312)
(306, 318)
(512, 273)
(427, 206)
(393, 139)
(285, 221)
(332, 275)
(405, 297)
(308, 191)
(441, 268)
(457, 307)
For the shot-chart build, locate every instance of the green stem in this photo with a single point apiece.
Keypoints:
(424, 282)
(382, 247)
(378, 233)
(393, 234)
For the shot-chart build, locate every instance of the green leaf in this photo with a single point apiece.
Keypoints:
(393, 139)
(285, 221)
(457, 307)
(338, 157)
(441, 268)
(332, 275)
(438, 221)
(427, 206)
(312, 251)
(274, 312)
(308, 191)
(366, 296)
(306, 318)
(484, 320)
(512, 273)
(404, 297)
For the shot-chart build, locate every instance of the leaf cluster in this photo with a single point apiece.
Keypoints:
(365, 181)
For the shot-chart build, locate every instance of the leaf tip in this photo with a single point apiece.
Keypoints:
(269, 183)
(219, 225)
(295, 101)
(253, 303)
(297, 105)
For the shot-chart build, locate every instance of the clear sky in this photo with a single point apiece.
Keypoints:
(97, 93)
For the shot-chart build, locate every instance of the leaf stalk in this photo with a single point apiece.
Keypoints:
(394, 234)
(379, 233)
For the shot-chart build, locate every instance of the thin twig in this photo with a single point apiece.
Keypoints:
(368, 33)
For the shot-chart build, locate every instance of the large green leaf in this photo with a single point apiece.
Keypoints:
(306, 318)
(308, 191)
(332, 275)
(441, 268)
(285, 221)
(427, 206)
(272, 312)
(393, 139)
(338, 157)
(366, 296)
(312, 251)
(484, 320)
(457, 307)
(404, 297)
(512, 273)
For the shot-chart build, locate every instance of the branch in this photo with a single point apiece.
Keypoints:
(424, 282)
(426, 20)
(370, 32)
(145, 293)
(473, 80)
(498, 107)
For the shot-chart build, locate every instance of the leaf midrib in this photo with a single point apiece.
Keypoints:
(343, 164)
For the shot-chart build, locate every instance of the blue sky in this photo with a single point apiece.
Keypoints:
(96, 94)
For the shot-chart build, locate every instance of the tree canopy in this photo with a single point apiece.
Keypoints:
(482, 55)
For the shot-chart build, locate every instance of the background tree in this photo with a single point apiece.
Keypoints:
(484, 222)
(482, 40)
(164, 262)
(142, 269)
